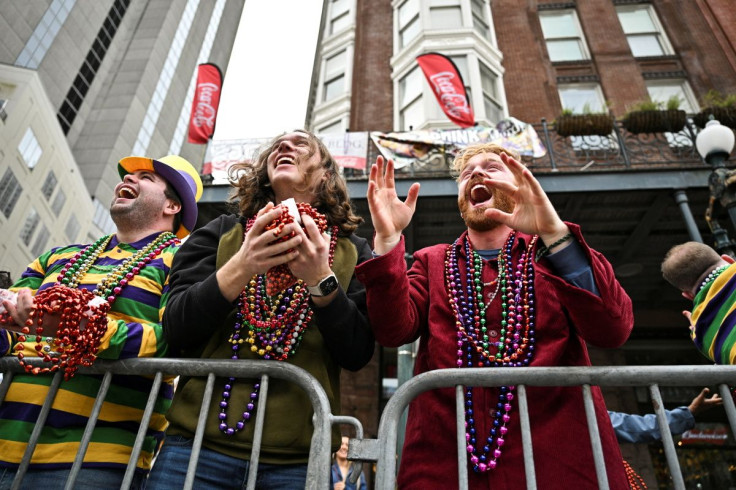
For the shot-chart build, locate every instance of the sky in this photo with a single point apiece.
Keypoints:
(266, 85)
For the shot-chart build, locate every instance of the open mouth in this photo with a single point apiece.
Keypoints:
(285, 161)
(480, 195)
(126, 192)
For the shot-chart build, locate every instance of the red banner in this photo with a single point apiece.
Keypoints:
(447, 84)
(204, 105)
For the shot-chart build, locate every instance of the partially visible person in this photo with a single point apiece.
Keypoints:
(520, 287)
(242, 289)
(633, 428)
(709, 280)
(5, 280)
(126, 272)
(342, 470)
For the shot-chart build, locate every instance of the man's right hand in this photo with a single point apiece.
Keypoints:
(389, 214)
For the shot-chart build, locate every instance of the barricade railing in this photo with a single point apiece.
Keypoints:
(383, 449)
(318, 474)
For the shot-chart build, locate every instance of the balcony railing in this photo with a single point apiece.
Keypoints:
(620, 150)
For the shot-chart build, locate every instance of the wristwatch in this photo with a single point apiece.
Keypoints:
(324, 287)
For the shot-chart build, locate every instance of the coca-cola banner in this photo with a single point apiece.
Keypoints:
(423, 151)
(447, 85)
(350, 150)
(204, 105)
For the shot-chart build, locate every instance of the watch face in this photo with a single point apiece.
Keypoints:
(328, 285)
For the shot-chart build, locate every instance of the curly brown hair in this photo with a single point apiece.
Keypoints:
(252, 189)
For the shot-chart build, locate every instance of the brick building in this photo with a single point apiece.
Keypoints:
(634, 194)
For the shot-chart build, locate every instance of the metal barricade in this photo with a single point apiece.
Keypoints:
(383, 449)
(318, 474)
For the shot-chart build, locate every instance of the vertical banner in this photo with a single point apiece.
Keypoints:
(447, 85)
(205, 103)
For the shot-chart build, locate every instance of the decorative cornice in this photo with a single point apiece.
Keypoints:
(578, 79)
(556, 6)
(658, 75)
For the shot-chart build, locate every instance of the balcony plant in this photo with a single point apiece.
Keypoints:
(586, 124)
(721, 107)
(649, 116)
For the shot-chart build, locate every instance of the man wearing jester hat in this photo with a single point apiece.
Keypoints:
(519, 288)
(275, 282)
(104, 300)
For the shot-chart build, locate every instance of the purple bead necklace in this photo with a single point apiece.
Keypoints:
(515, 344)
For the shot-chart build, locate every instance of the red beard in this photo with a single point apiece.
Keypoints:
(475, 217)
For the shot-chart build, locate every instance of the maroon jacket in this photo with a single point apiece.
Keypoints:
(405, 306)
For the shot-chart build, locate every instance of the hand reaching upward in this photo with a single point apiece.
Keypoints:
(389, 214)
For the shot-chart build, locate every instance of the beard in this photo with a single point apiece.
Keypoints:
(136, 214)
(474, 217)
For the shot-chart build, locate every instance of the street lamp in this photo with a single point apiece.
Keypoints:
(714, 143)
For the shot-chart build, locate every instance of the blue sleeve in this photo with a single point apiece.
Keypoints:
(644, 428)
(572, 265)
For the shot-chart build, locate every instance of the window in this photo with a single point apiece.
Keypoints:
(480, 23)
(491, 100)
(339, 15)
(334, 76)
(586, 98)
(663, 90)
(44, 33)
(72, 228)
(563, 35)
(59, 201)
(29, 226)
(3, 112)
(145, 133)
(49, 185)
(411, 110)
(9, 192)
(102, 219)
(335, 127)
(445, 17)
(39, 245)
(75, 96)
(29, 149)
(409, 27)
(582, 98)
(643, 31)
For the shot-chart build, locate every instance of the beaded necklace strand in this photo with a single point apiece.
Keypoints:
(273, 326)
(514, 346)
(73, 347)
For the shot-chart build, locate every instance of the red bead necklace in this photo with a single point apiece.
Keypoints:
(75, 346)
(271, 321)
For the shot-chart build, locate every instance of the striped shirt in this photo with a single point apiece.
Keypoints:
(713, 318)
(133, 330)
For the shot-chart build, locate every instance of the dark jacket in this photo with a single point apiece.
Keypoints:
(199, 320)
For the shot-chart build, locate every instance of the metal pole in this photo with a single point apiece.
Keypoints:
(692, 227)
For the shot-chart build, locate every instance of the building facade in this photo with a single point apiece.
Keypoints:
(635, 193)
(119, 78)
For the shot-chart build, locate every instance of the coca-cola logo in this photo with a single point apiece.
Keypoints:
(454, 102)
(204, 113)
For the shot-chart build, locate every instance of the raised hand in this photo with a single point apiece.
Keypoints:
(258, 253)
(533, 212)
(312, 263)
(389, 214)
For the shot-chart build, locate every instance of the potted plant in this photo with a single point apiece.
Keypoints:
(649, 116)
(586, 124)
(721, 107)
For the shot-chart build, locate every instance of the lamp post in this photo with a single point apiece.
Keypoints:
(715, 143)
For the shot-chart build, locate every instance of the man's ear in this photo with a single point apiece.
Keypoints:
(688, 295)
(728, 258)
(172, 207)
